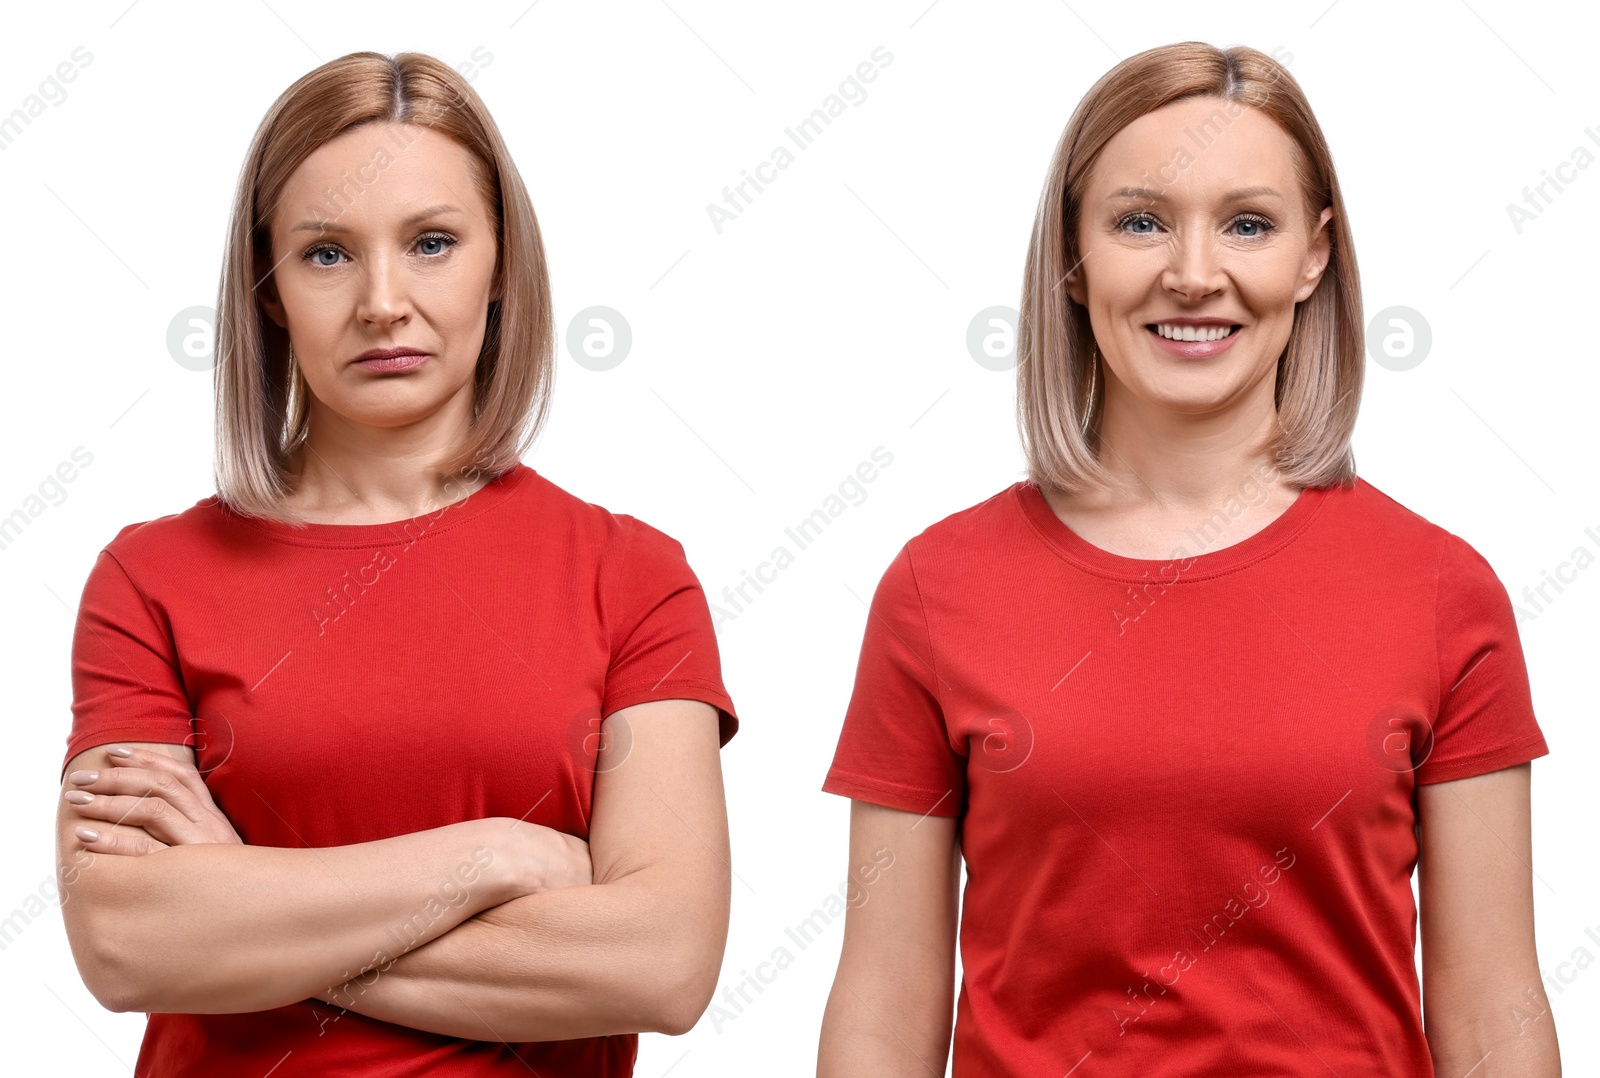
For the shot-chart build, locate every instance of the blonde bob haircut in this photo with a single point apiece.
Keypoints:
(1060, 391)
(261, 396)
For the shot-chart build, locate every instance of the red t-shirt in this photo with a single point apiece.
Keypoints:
(352, 682)
(1187, 787)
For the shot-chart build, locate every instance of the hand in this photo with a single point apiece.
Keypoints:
(568, 864)
(544, 859)
(150, 802)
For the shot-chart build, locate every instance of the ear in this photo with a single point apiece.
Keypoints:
(267, 294)
(1318, 251)
(1076, 288)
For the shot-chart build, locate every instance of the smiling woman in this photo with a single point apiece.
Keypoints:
(363, 842)
(1187, 335)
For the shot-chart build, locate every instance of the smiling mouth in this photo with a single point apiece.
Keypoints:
(1192, 333)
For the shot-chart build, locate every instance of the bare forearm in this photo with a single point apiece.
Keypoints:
(863, 1034)
(577, 962)
(217, 929)
(1533, 1055)
(1512, 1037)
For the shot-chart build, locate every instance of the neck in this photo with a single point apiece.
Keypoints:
(348, 470)
(1166, 460)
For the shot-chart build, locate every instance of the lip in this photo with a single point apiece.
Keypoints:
(1196, 322)
(391, 359)
(1196, 349)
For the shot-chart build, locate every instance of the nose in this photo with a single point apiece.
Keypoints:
(385, 291)
(1194, 268)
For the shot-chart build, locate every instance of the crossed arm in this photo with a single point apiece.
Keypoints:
(536, 946)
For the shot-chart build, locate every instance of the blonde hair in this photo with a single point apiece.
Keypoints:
(261, 396)
(1320, 371)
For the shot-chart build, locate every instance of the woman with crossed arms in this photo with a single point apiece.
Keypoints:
(1193, 700)
(393, 757)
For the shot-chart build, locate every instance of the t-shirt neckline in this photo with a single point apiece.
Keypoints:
(480, 501)
(1198, 566)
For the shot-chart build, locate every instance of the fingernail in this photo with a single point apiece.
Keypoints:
(80, 797)
(84, 777)
(119, 750)
(88, 834)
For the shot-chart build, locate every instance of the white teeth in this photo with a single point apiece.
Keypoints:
(1192, 333)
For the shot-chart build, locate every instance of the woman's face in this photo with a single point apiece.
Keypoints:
(1193, 212)
(382, 241)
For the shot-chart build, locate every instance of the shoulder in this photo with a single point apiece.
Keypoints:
(624, 547)
(147, 557)
(1380, 519)
(172, 539)
(1366, 502)
(634, 567)
(942, 552)
(992, 518)
(1406, 548)
(607, 529)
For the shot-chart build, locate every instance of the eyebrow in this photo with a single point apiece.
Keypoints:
(1236, 195)
(332, 226)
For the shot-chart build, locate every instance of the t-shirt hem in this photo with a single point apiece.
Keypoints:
(179, 732)
(707, 692)
(1518, 752)
(891, 794)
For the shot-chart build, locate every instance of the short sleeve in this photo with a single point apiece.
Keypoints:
(663, 645)
(126, 684)
(1485, 720)
(895, 748)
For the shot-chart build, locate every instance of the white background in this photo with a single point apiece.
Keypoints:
(770, 359)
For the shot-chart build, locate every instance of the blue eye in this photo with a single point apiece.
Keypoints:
(447, 242)
(1261, 224)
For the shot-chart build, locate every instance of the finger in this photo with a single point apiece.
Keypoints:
(117, 840)
(151, 814)
(159, 763)
(128, 779)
